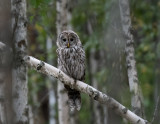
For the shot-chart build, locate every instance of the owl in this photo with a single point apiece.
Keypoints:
(71, 60)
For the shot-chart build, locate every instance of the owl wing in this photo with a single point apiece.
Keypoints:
(82, 58)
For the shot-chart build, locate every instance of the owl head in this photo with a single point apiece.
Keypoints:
(68, 39)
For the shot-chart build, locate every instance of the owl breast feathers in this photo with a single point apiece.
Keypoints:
(72, 62)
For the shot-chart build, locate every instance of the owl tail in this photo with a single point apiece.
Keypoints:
(74, 99)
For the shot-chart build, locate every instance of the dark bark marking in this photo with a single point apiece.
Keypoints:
(135, 80)
(40, 65)
(138, 121)
(96, 95)
(22, 43)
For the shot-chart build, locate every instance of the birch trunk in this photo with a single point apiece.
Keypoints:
(5, 63)
(52, 97)
(94, 64)
(136, 95)
(62, 21)
(19, 73)
(116, 70)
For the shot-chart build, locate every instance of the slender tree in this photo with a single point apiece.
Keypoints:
(62, 22)
(114, 61)
(94, 60)
(19, 73)
(156, 118)
(52, 96)
(136, 95)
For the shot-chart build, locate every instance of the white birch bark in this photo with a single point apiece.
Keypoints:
(49, 70)
(19, 73)
(136, 95)
(62, 21)
(30, 115)
(52, 97)
(105, 113)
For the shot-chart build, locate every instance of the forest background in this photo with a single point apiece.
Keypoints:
(100, 26)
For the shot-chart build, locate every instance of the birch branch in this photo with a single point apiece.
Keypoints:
(52, 71)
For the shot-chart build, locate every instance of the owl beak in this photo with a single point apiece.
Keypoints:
(68, 44)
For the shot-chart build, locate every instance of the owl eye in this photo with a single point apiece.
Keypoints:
(71, 39)
(64, 40)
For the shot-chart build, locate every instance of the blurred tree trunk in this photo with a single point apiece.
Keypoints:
(5, 63)
(155, 20)
(157, 84)
(38, 109)
(115, 63)
(157, 74)
(51, 83)
(62, 22)
(136, 95)
(30, 115)
(95, 62)
(19, 73)
(73, 114)
(105, 114)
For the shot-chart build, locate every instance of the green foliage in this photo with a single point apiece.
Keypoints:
(38, 3)
(145, 21)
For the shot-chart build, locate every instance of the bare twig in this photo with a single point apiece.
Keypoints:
(52, 71)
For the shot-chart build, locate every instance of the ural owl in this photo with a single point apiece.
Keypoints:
(71, 60)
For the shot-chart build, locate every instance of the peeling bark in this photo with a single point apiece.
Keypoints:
(136, 100)
(49, 70)
(19, 72)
